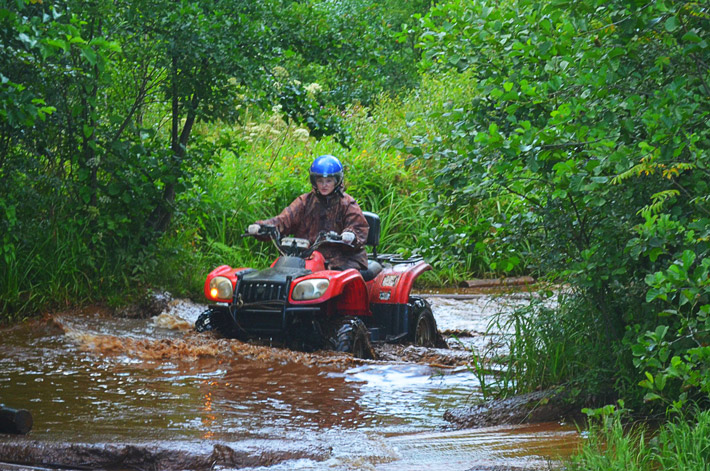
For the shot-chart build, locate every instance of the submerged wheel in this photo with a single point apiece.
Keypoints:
(218, 320)
(425, 334)
(353, 337)
(204, 321)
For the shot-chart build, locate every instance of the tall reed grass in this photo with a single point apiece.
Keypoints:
(543, 344)
(54, 269)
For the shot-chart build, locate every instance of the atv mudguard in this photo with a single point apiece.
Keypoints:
(346, 294)
(394, 283)
(347, 291)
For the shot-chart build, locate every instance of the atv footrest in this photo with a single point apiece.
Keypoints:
(376, 334)
(390, 321)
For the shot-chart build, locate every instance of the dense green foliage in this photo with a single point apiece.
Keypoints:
(99, 102)
(594, 116)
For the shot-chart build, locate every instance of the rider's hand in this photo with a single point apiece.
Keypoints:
(347, 237)
(253, 229)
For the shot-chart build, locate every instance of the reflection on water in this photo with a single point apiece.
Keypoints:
(528, 446)
(412, 397)
(92, 378)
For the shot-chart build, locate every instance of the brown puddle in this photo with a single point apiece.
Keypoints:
(97, 381)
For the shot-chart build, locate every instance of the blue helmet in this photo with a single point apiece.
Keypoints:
(327, 166)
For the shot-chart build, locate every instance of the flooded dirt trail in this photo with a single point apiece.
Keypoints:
(117, 393)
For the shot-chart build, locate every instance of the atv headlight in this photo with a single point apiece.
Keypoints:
(221, 288)
(310, 289)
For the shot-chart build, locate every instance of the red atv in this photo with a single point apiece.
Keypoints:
(299, 303)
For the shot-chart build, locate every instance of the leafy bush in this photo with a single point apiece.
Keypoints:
(592, 116)
(99, 107)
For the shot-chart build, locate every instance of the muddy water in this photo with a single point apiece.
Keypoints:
(90, 378)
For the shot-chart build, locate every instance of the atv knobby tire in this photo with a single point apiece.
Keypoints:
(353, 337)
(204, 321)
(426, 333)
(217, 320)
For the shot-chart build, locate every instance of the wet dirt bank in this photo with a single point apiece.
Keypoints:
(132, 392)
(531, 408)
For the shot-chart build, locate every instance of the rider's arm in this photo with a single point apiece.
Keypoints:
(355, 222)
(287, 221)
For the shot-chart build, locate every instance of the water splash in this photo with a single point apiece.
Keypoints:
(172, 321)
(191, 346)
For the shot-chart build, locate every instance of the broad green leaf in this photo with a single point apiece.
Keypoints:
(660, 381)
(672, 24)
(691, 36)
(58, 43)
(648, 397)
(656, 293)
(89, 54)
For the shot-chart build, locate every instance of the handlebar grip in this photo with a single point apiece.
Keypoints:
(264, 230)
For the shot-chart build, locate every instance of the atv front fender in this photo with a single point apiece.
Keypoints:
(225, 271)
(346, 289)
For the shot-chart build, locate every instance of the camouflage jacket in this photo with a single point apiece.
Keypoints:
(310, 213)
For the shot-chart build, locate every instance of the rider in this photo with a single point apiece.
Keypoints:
(325, 208)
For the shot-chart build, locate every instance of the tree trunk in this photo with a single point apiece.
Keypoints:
(160, 219)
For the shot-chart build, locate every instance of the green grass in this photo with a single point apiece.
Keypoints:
(684, 445)
(681, 444)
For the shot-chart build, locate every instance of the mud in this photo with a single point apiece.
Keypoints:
(436, 357)
(535, 407)
(157, 457)
(194, 346)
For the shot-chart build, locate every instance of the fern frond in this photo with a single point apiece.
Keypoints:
(658, 200)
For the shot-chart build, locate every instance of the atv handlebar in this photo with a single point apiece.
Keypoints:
(331, 236)
(270, 231)
(324, 237)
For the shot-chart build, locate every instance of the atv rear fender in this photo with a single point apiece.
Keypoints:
(394, 284)
(347, 291)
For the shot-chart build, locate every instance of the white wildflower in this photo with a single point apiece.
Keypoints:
(301, 134)
(314, 88)
(280, 71)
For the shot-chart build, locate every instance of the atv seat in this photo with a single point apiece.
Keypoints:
(373, 239)
(373, 269)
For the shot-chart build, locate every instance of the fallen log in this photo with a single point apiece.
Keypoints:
(17, 421)
(498, 282)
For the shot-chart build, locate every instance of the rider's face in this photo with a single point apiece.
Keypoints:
(325, 185)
